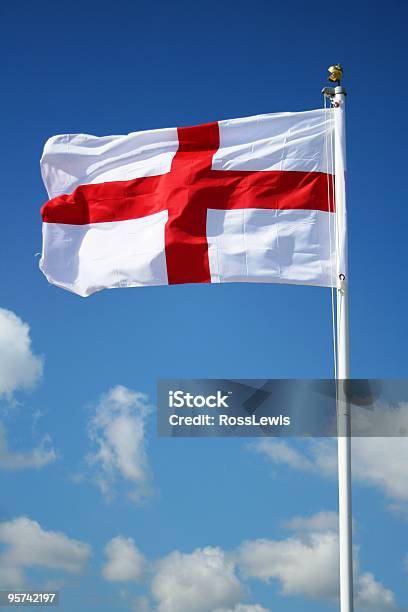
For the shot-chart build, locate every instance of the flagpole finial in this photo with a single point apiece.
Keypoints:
(335, 73)
(335, 76)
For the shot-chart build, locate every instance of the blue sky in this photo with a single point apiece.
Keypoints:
(111, 68)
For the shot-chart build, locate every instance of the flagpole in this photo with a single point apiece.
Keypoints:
(338, 99)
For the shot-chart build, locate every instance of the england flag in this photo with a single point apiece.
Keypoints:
(242, 200)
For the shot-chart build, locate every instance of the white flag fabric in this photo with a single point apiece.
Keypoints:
(244, 200)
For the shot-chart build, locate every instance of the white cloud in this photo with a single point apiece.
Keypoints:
(142, 604)
(244, 608)
(20, 367)
(202, 581)
(281, 452)
(383, 419)
(10, 577)
(38, 457)
(124, 560)
(372, 596)
(306, 564)
(310, 455)
(306, 567)
(117, 430)
(383, 463)
(321, 521)
(212, 580)
(369, 466)
(27, 545)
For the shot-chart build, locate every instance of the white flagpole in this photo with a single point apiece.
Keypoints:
(343, 355)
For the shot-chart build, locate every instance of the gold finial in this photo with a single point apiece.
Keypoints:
(336, 73)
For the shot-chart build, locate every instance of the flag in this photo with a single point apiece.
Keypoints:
(241, 200)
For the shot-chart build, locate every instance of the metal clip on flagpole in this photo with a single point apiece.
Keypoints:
(337, 97)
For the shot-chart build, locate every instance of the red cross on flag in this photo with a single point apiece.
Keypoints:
(244, 200)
